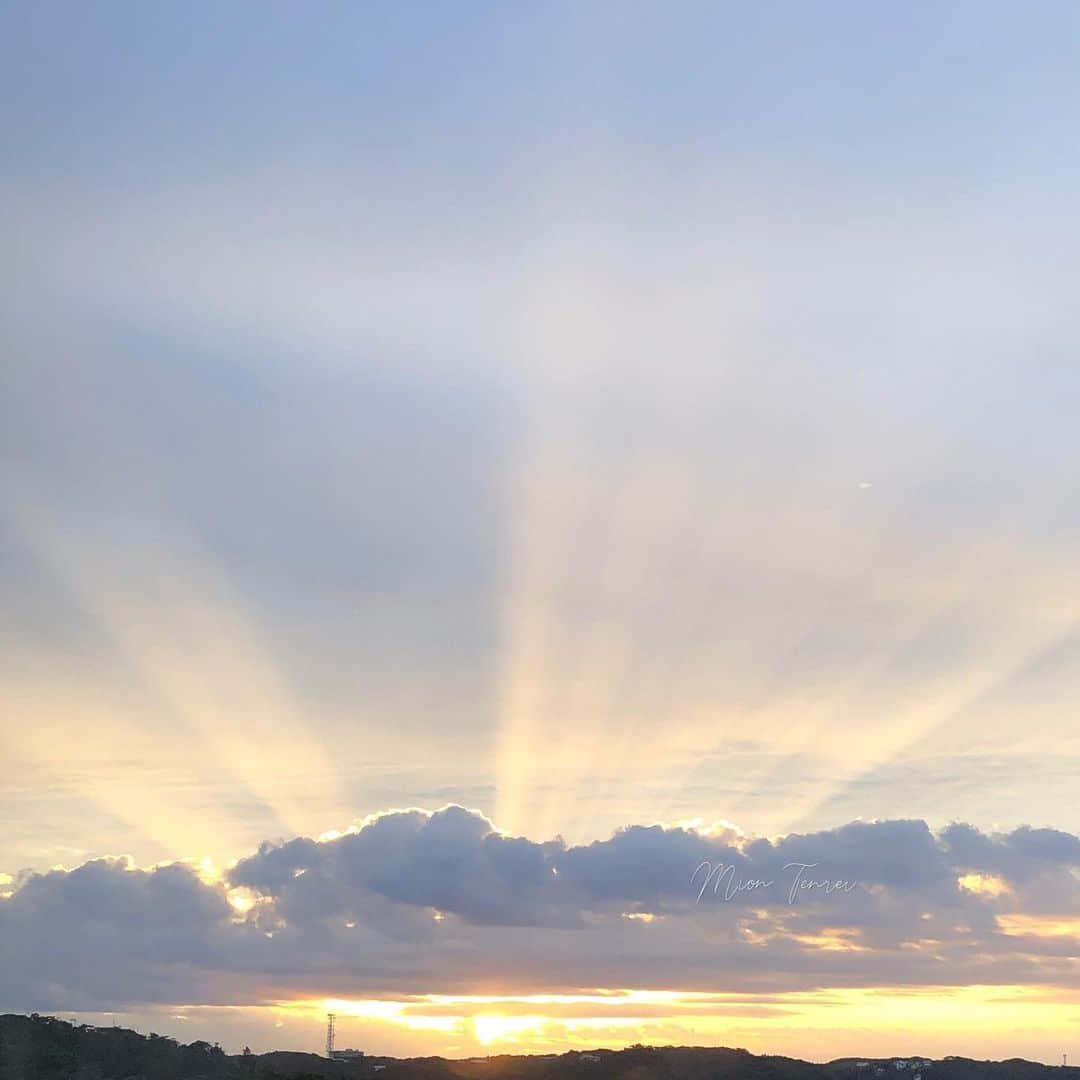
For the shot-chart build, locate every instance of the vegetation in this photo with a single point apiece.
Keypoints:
(44, 1048)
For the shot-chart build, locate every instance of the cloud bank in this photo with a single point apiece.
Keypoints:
(412, 902)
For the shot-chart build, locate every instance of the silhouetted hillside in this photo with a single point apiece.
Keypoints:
(44, 1048)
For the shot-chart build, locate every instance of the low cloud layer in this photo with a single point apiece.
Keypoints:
(414, 902)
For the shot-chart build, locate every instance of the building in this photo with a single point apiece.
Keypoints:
(345, 1055)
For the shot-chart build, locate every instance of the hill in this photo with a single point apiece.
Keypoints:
(44, 1048)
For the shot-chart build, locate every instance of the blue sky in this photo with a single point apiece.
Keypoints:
(929, 95)
(593, 415)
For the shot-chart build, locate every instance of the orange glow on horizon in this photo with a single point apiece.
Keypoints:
(946, 1019)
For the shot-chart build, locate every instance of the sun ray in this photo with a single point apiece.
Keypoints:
(182, 629)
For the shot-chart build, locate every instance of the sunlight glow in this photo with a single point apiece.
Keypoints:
(1019, 925)
(843, 1020)
(983, 884)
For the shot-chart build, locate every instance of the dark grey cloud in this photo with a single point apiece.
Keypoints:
(451, 861)
(416, 902)
(104, 931)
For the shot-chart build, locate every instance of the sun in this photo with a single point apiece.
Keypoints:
(496, 1028)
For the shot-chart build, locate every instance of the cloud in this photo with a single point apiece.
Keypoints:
(85, 935)
(452, 861)
(415, 902)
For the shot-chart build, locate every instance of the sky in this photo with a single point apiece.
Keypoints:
(465, 466)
